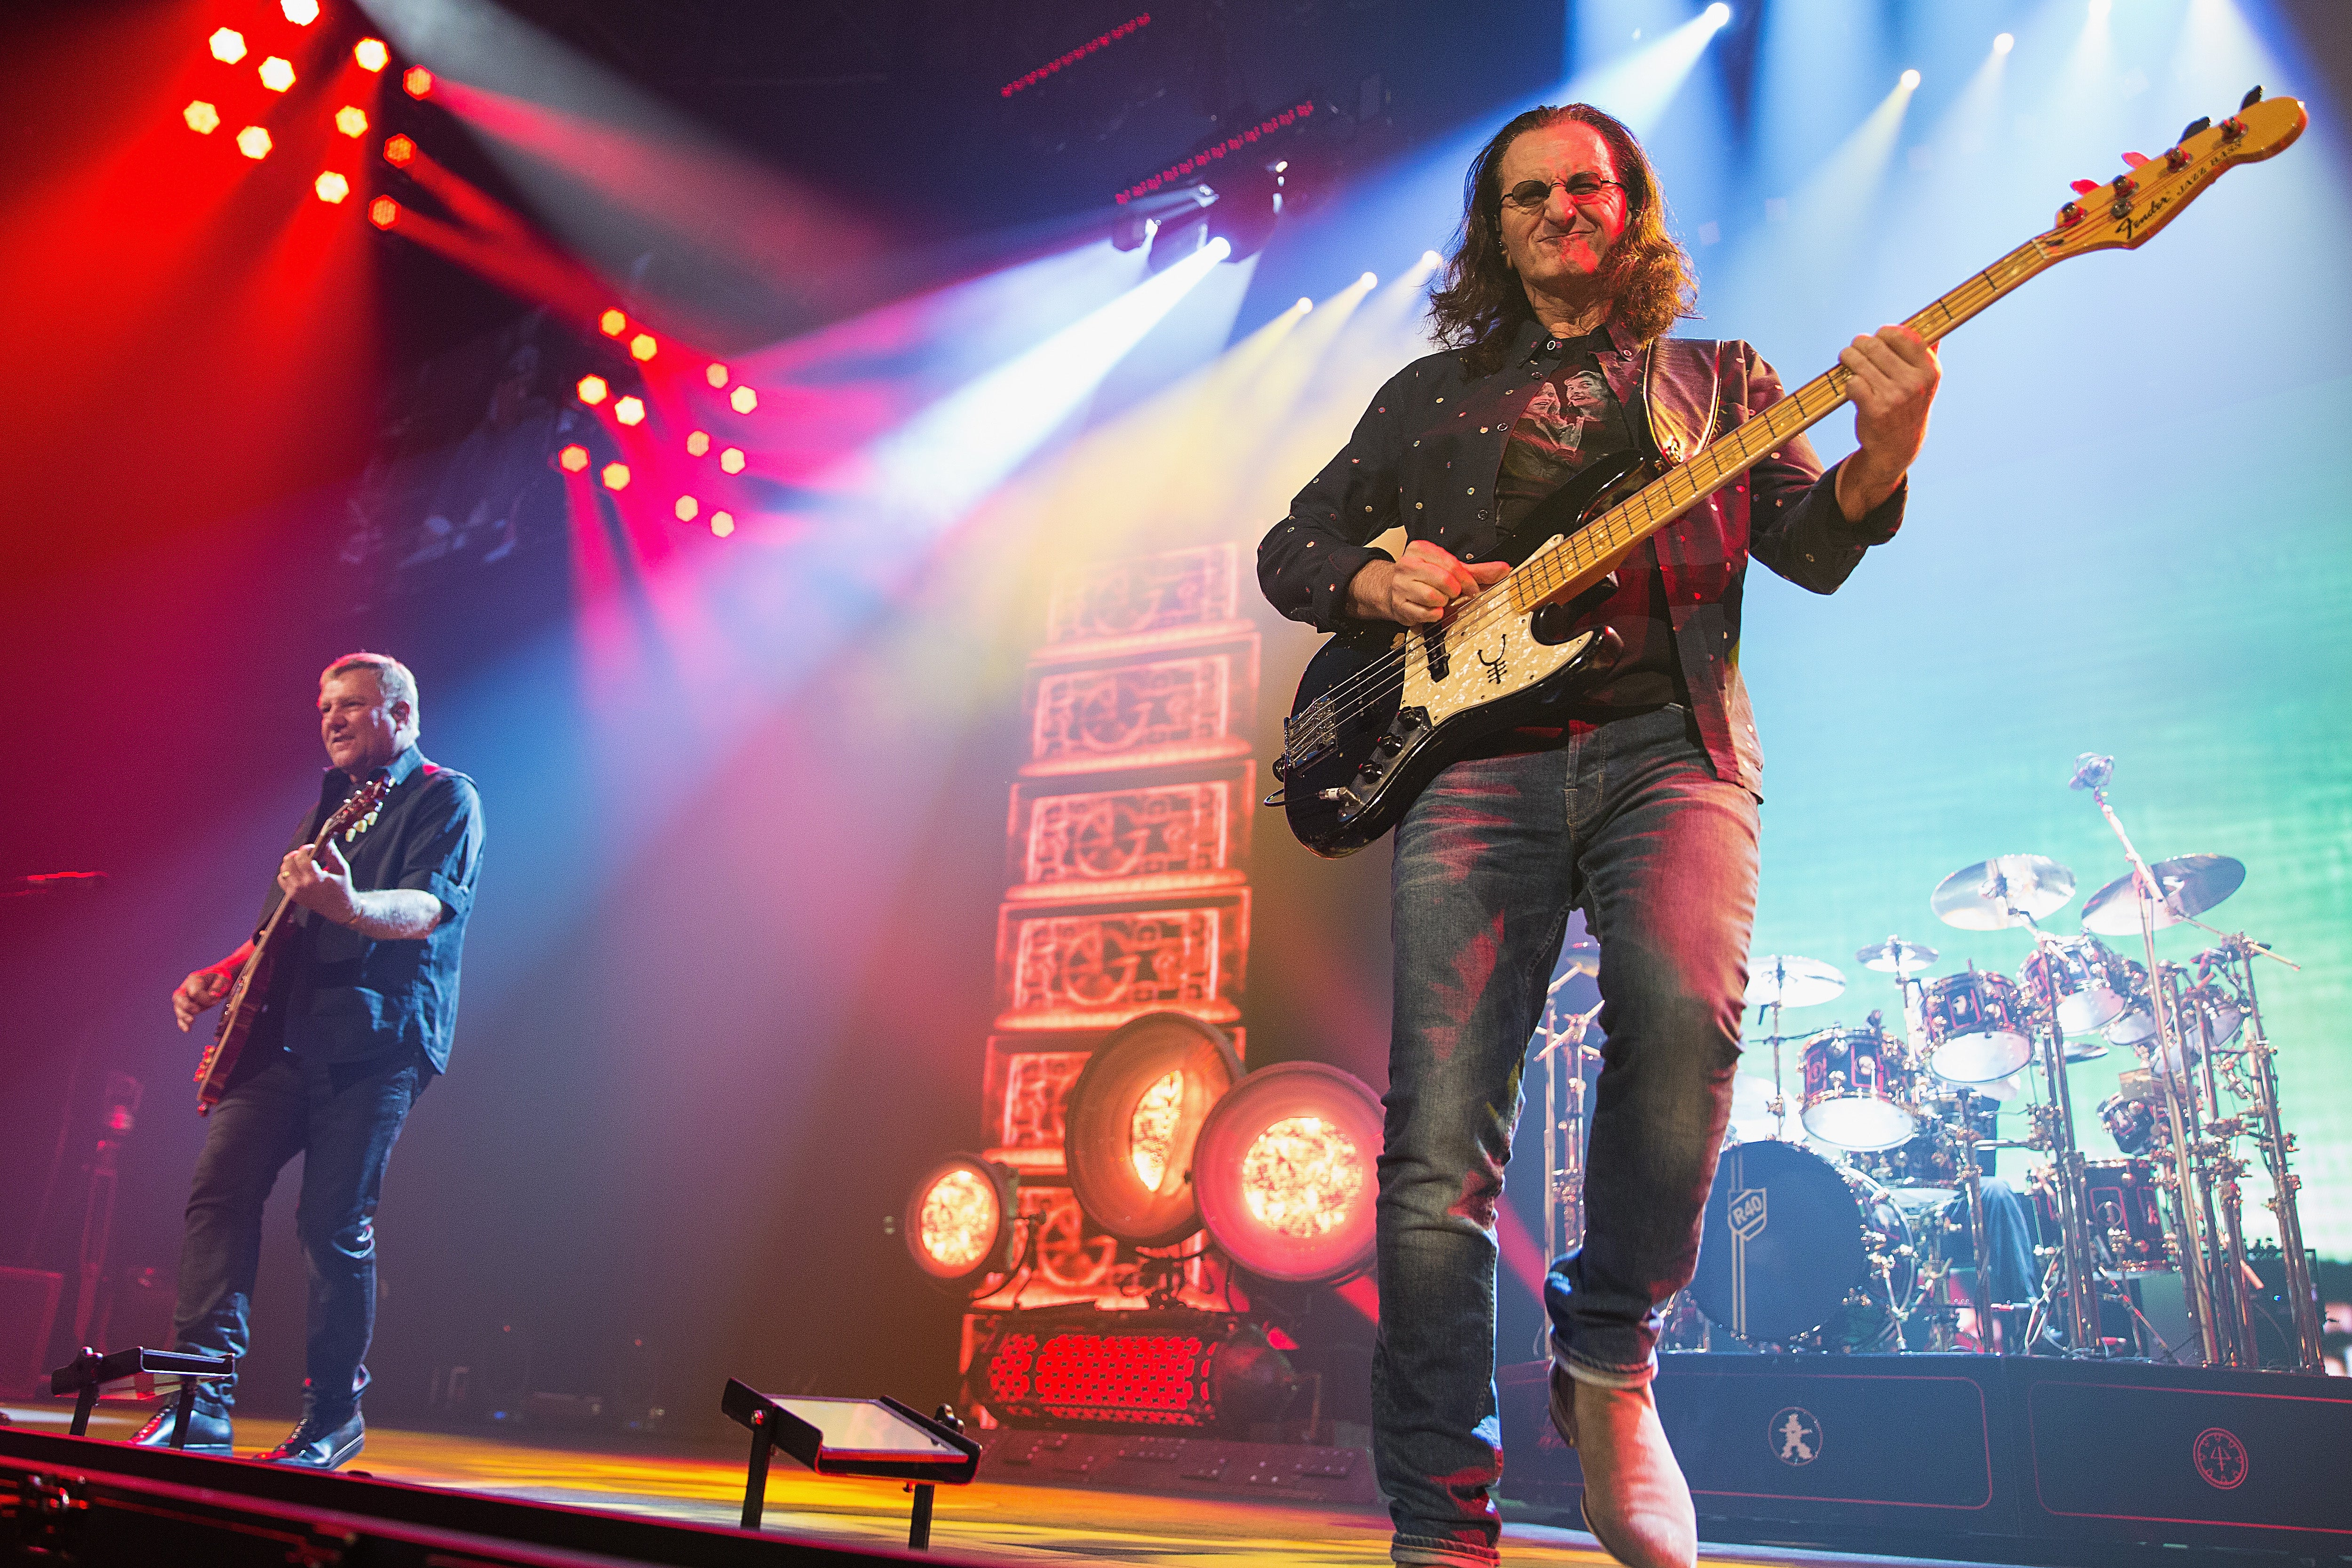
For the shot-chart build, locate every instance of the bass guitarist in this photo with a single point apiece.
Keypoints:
(363, 992)
(1636, 801)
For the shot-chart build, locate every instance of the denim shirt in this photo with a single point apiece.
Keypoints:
(341, 996)
(1427, 453)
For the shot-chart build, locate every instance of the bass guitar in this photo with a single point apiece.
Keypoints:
(243, 1007)
(1382, 710)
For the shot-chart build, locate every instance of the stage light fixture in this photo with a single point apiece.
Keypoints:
(731, 460)
(961, 1216)
(383, 211)
(1910, 79)
(743, 399)
(202, 118)
(399, 151)
(301, 13)
(698, 443)
(254, 143)
(372, 54)
(612, 322)
(1287, 1169)
(416, 81)
(593, 389)
(331, 188)
(2099, 9)
(227, 45)
(722, 523)
(276, 73)
(1430, 258)
(1131, 1119)
(1163, 1367)
(1303, 304)
(630, 410)
(351, 120)
(643, 348)
(573, 459)
(1369, 281)
(686, 508)
(2004, 42)
(616, 475)
(716, 375)
(1717, 14)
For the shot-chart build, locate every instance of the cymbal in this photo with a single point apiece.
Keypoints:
(2191, 886)
(1793, 982)
(1895, 957)
(2005, 890)
(1575, 958)
(1751, 1107)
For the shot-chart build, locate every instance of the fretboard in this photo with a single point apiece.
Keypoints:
(1585, 556)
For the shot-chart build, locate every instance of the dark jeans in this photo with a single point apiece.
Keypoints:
(1629, 822)
(342, 1118)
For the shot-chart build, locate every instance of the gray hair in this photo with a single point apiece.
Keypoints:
(392, 678)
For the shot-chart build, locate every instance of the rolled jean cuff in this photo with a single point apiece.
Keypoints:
(1601, 1374)
(1429, 1551)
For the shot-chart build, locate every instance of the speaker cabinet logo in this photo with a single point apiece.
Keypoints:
(1794, 1435)
(2220, 1458)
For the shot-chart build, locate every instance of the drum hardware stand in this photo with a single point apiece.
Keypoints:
(1563, 1137)
(2085, 1335)
(2093, 774)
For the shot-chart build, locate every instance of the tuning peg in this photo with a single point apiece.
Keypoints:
(2133, 160)
(2253, 96)
(2085, 187)
(2202, 122)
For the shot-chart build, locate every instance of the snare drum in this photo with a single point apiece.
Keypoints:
(2087, 977)
(1977, 1026)
(1859, 1090)
(2136, 1125)
(2124, 1221)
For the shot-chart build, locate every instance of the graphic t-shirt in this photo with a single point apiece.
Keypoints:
(1572, 420)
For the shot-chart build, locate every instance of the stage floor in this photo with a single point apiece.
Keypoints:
(989, 1522)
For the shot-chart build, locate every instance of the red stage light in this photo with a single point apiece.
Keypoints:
(202, 118)
(1286, 1172)
(371, 54)
(698, 443)
(630, 410)
(1152, 1368)
(731, 460)
(331, 188)
(383, 211)
(254, 143)
(716, 375)
(686, 508)
(1180, 173)
(722, 523)
(399, 151)
(416, 81)
(591, 390)
(301, 13)
(642, 347)
(1099, 41)
(616, 475)
(744, 399)
(613, 323)
(351, 120)
(573, 458)
(276, 73)
(229, 46)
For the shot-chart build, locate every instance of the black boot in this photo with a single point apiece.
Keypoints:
(320, 1443)
(208, 1429)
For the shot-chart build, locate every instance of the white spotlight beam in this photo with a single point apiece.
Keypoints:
(1638, 87)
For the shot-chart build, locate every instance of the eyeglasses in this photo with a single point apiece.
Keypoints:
(1584, 190)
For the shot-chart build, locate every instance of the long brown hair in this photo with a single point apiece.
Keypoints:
(1647, 277)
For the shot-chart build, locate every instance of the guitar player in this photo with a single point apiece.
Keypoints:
(1638, 804)
(363, 993)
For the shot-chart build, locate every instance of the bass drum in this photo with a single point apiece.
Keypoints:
(1798, 1251)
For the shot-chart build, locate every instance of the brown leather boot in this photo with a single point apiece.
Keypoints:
(1636, 1503)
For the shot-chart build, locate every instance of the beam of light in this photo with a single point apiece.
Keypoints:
(1818, 70)
(1638, 87)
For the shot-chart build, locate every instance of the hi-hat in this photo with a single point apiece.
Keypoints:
(1895, 957)
(1793, 982)
(2191, 885)
(2005, 890)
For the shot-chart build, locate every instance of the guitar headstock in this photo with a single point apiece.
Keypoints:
(366, 798)
(2150, 192)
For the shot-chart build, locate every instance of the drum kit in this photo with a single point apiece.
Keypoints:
(1837, 1220)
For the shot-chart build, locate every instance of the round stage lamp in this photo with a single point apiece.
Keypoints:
(960, 1220)
(1287, 1172)
(1129, 1122)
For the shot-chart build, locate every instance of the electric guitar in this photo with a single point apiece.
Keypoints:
(1382, 710)
(243, 1007)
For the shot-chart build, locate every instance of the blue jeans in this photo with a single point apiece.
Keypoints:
(342, 1118)
(1629, 822)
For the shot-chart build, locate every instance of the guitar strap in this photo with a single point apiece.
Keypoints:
(1670, 446)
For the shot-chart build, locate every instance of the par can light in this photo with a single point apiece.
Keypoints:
(959, 1221)
(1129, 1122)
(1076, 1366)
(1286, 1173)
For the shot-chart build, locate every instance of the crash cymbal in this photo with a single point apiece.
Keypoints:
(2191, 886)
(1895, 957)
(1751, 1108)
(2005, 890)
(1793, 982)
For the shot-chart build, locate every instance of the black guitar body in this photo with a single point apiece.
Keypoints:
(1355, 755)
